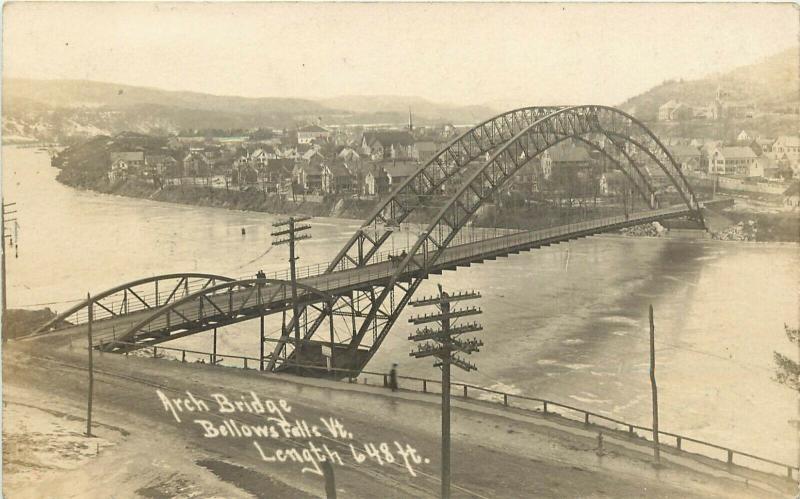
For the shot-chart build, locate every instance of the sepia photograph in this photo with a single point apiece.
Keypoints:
(400, 250)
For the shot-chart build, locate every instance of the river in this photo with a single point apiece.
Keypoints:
(567, 323)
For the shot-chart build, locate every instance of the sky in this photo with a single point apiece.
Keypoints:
(505, 54)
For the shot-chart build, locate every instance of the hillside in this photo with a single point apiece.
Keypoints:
(772, 84)
(89, 94)
(56, 109)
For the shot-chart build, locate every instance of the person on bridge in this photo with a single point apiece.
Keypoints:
(393, 378)
(261, 275)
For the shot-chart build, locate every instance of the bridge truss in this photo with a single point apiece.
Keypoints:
(514, 139)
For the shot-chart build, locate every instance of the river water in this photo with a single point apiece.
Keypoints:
(567, 323)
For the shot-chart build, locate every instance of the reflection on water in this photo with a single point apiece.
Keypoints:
(568, 322)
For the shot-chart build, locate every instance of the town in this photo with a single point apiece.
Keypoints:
(314, 161)
(333, 166)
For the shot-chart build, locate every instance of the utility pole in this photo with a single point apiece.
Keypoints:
(442, 344)
(91, 366)
(656, 450)
(292, 235)
(3, 221)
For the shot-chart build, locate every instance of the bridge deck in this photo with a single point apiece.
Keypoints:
(184, 318)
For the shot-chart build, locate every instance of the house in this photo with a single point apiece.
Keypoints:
(376, 181)
(706, 150)
(289, 153)
(426, 150)
(260, 156)
(313, 157)
(526, 178)
(746, 137)
(161, 164)
(243, 174)
(339, 137)
(118, 171)
(275, 174)
(786, 150)
(308, 176)
(791, 196)
(310, 133)
(762, 146)
(567, 166)
(349, 154)
(736, 160)
(564, 159)
(196, 164)
(132, 161)
(337, 178)
(768, 167)
(394, 144)
(673, 110)
(687, 157)
(398, 173)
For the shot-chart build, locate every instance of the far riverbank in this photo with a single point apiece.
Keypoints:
(232, 199)
(769, 227)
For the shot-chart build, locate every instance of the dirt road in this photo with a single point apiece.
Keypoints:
(142, 450)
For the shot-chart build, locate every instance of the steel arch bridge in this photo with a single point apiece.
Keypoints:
(516, 138)
(362, 291)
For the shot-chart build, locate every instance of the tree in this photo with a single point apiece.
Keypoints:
(788, 370)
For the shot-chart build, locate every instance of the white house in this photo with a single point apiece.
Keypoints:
(310, 133)
(734, 161)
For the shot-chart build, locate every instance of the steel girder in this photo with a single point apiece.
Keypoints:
(574, 122)
(445, 166)
(129, 297)
(213, 307)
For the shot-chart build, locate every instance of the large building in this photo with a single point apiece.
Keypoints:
(786, 150)
(388, 145)
(310, 133)
(673, 111)
(740, 161)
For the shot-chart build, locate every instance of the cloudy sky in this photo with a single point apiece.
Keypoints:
(459, 53)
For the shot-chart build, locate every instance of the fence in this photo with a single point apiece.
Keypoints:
(531, 404)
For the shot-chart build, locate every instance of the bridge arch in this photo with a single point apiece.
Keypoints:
(174, 286)
(580, 122)
(212, 307)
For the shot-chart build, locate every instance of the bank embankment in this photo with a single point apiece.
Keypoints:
(232, 199)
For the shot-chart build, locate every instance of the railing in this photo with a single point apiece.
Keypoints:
(462, 391)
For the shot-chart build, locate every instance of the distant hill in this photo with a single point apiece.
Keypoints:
(773, 84)
(81, 93)
(53, 109)
(420, 108)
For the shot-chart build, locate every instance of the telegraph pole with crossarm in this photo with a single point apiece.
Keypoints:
(3, 220)
(443, 344)
(290, 235)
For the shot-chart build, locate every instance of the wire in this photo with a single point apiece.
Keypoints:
(259, 257)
